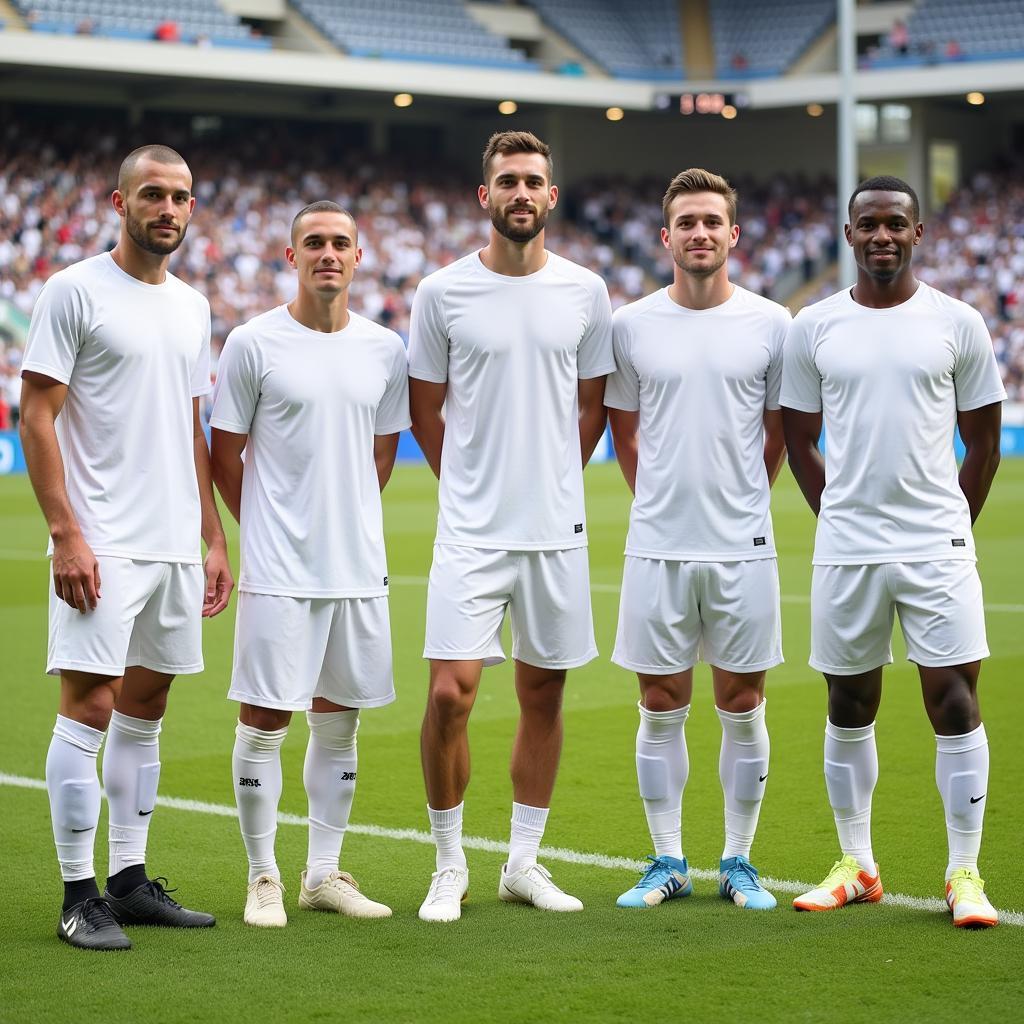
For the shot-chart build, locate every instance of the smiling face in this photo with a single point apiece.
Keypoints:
(699, 234)
(325, 252)
(156, 203)
(883, 232)
(518, 196)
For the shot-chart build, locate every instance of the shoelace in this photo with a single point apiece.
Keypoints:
(157, 887)
(653, 872)
(970, 889)
(446, 885)
(266, 892)
(541, 876)
(835, 876)
(748, 871)
(97, 913)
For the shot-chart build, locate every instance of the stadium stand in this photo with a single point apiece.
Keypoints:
(639, 40)
(181, 20)
(439, 30)
(754, 39)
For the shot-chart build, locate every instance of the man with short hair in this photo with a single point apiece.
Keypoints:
(118, 355)
(694, 411)
(315, 395)
(508, 354)
(890, 367)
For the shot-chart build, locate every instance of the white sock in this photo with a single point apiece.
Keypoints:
(446, 828)
(961, 773)
(256, 764)
(662, 768)
(131, 772)
(329, 774)
(743, 769)
(851, 771)
(527, 832)
(74, 790)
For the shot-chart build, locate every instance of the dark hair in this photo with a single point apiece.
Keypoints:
(161, 154)
(503, 143)
(886, 183)
(696, 179)
(321, 206)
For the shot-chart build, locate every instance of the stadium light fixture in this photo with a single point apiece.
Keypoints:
(815, 109)
(975, 98)
(728, 111)
(403, 99)
(508, 107)
(615, 113)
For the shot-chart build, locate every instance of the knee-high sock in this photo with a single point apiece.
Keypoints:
(851, 771)
(131, 772)
(743, 769)
(527, 832)
(961, 773)
(329, 774)
(256, 763)
(74, 790)
(662, 768)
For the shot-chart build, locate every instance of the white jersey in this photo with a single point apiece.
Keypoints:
(512, 350)
(311, 404)
(889, 384)
(701, 380)
(133, 356)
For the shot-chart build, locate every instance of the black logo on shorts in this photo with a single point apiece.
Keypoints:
(385, 581)
(249, 782)
(959, 542)
(348, 777)
(760, 542)
(578, 528)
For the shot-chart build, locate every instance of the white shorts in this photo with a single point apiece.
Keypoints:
(289, 650)
(674, 614)
(547, 594)
(852, 606)
(149, 614)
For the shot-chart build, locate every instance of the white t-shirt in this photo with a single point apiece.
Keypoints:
(311, 404)
(889, 384)
(133, 356)
(512, 350)
(701, 379)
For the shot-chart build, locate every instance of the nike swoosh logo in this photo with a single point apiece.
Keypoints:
(763, 777)
(143, 814)
(975, 799)
(81, 829)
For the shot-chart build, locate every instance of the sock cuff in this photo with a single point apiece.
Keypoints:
(842, 735)
(335, 730)
(962, 744)
(530, 817)
(449, 817)
(258, 739)
(79, 735)
(675, 717)
(742, 717)
(140, 728)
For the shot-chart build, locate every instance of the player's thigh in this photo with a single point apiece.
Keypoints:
(98, 641)
(357, 666)
(467, 594)
(942, 612)
(659, 627)
(168, 633)
(741, 615)
(552, 620)
(852, 612)
(280, 643)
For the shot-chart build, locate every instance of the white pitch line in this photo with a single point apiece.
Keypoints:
(594, 860)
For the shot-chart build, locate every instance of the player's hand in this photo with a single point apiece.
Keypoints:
(76, 573)
(219, 581)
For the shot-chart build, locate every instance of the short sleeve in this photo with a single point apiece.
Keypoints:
(801, 381)
(623, 388)
(393, 410)
(976, 376)
(428, 335)
(237, 390)
(201, 370)
(773, 378)
(58, 328)
(594, 353)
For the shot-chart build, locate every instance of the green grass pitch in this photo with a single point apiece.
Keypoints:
(699, 959)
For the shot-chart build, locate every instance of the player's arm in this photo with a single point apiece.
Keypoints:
(219, 581)
(979, 431)
(226, 463)
(76, 573)
(426, 407)
(802, 431)
(625, 424)
(385, 448)
(774, 443)
(593, 414)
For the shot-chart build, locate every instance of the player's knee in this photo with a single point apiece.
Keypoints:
(661, 698)
(266, 719)
(956, 712)
(449, 699)
(92, 707)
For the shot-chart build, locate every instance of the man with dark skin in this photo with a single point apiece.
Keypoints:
(889, 367)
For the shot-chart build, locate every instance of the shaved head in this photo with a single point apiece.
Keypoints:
(321, 206)
(158, 154)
